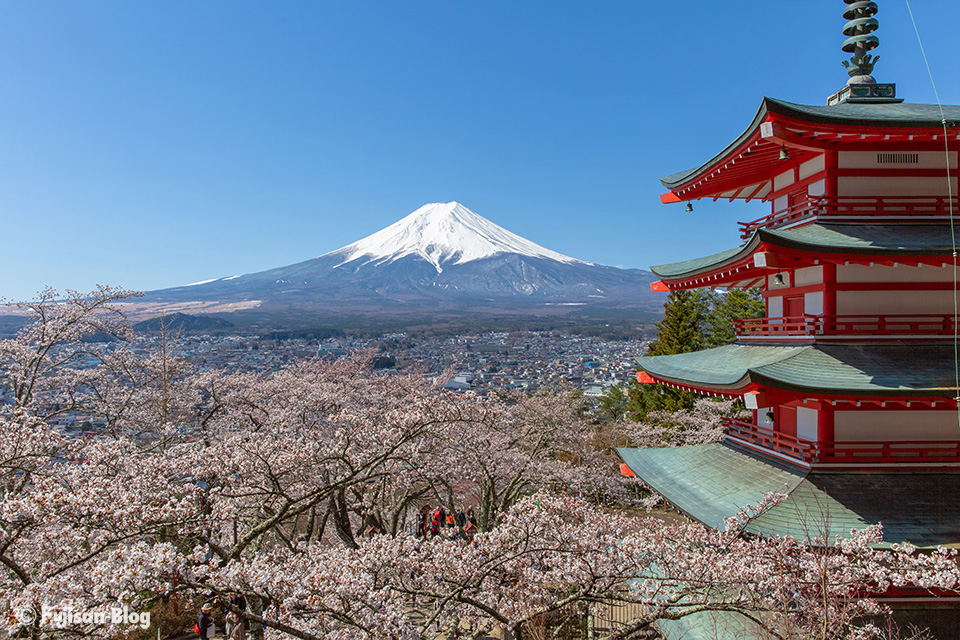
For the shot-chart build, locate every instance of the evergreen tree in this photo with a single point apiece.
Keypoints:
(680, 331)
(727, 306)
(613, 404)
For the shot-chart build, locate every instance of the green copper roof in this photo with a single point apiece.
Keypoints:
(711, 625)
(868, 115)
(697, 265)
(883, 369)
(711, 482)
(825, 237)
(726, 366)
(900, 239)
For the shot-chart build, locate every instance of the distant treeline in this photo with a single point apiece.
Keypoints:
(605, 324)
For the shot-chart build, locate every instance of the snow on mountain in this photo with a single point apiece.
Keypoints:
(443, 233)
(441, 256)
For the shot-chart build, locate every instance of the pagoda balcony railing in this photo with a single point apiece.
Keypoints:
(847, 207)
(844, 453)
(865, 326)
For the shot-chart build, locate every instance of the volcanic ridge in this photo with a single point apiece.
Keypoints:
(443, 255)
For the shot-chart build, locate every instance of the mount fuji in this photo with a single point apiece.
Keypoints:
(443, 255)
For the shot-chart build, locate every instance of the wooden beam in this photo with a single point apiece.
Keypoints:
(659, 285)
(669, 198)
(765, 259)
(773, 132)
(645, 378)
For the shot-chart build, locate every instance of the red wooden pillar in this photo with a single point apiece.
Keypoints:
(825, 424)
(829, 290)
(830, 163)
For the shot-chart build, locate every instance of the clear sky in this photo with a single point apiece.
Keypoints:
(153, 144)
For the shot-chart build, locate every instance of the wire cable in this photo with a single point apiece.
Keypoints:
(953, 235)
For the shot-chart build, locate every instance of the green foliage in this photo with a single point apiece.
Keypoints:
(681, 330)
(645, 398)
(613, 404)
(727, 306)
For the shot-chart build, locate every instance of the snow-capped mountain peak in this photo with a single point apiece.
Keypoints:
(443, 233)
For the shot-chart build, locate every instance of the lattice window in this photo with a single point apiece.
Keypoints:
(898, 158)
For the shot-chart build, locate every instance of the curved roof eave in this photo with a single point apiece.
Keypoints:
(677, 179)
(882, 370)
(709, 482)
(727, 367)
(873, 115)
(893, 239)
(906, 239)
(677, 270)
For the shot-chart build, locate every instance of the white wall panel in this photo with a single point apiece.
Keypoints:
(808, 275)
(813, 303)
(894, 302)
(807, 423)
(900, 273)
(868, 160)
(785, 179)
(895, 426)
(886, 186)
(775, 307)
(813, 166)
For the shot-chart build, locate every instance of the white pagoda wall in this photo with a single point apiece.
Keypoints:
(900, 273)
(878, 186)
(895, 426)
(868, 160)
(812, 300)
(807, 424)
(892, 302)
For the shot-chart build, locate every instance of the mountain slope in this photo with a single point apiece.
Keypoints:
(441, 255)
(443, 233)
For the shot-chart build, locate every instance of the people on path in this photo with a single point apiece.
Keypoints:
(205, 627)
(424, 521)
(236, 625)
(461, 524)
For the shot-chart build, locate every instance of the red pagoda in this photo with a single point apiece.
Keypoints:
(852, 375)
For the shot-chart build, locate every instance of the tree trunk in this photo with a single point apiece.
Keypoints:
(341, 520)
(256, 608)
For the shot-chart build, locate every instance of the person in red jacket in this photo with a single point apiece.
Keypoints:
(205, 627)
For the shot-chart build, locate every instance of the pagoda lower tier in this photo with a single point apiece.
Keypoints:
(896, 371)
(856, 434)
(710, 482)
(856, 406)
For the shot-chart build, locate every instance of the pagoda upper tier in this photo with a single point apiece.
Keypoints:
(858, 244)
(788, 146)
(822, 243)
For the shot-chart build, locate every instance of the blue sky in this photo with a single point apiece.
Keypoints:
(152, 144)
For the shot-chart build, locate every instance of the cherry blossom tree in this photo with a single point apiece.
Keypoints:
(701, 424)
(291, 488)
(74, 512)
(552, 553)
(34, 363)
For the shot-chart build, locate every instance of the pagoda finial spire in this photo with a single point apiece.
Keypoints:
(860, 40)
